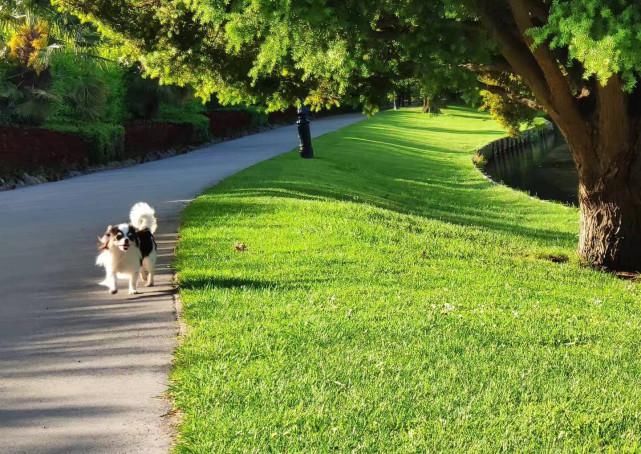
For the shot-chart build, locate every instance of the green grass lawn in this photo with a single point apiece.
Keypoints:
(391, 299)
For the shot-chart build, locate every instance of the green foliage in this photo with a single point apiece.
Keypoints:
(190, 113)
(89, 90)
(509, 115)
(106, 140)
(178, 105)
(503, 99)
(147, 100)
(280, 53)
(32, 35)
(142, 97)
(24, 95)
(51, 74)
(258, 116)
(602, 35)
(325, 53)
(31, 32)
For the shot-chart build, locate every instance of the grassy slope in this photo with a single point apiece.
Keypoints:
(392, 299)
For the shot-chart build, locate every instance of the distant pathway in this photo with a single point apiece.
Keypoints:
(81, 371)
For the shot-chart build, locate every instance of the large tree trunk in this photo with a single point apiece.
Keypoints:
(610, 236)
(600, 123)
(610, 184)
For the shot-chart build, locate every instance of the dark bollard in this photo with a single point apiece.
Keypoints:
(304, 134)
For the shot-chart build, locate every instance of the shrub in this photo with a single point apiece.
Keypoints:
(142, 96)
(28, 42)
(479, 159)
(86, 89)
(24, 95)
(147, 100)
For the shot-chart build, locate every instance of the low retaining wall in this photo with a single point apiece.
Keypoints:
(511, 145)
(144, 137)
(39, 154)
(229, 123)
(40, 151)
(282, 117)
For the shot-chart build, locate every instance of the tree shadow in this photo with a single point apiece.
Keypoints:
(393, 168)
(210, 282)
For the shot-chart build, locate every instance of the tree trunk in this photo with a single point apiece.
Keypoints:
(599, 126)
(610, 236)
(426, 104)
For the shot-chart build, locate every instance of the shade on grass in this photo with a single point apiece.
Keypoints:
(390, 298)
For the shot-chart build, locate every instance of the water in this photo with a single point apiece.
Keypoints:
(544, 169)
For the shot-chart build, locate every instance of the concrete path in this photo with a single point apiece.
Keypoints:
(80, 370)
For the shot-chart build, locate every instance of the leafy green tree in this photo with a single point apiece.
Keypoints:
(578, 60)
(32, 34)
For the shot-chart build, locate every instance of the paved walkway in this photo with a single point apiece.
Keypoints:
(82, 371)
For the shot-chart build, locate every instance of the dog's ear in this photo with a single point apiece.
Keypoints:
(103, 241)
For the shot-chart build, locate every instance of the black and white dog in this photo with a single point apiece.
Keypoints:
(129, 250)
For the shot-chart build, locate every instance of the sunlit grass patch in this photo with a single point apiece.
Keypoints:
(387, 297)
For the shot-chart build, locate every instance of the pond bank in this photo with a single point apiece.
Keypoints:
(538, 163)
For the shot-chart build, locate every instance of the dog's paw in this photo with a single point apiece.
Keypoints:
(149, 284)
(133, 292)
(113, 291)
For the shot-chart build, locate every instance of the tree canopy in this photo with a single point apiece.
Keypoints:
(284, 52)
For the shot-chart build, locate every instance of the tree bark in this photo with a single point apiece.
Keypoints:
(610, 184)
(605, 140)
(426, 104)
(610, 235)
(430, 106)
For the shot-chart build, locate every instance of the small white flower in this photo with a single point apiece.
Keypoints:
(447, 307)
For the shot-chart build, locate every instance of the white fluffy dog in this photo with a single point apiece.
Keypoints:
(129, 250)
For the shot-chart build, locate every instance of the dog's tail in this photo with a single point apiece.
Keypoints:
(143, 216)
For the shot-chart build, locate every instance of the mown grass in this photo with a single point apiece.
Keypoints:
(391, 299)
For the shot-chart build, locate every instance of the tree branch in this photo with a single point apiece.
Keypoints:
(568, 115)
(498, 67)
(517, 55)
(527, 102)
(538, 10)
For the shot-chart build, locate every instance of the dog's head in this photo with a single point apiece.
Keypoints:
(120, 237)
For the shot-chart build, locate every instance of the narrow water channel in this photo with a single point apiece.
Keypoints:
(544, 169)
